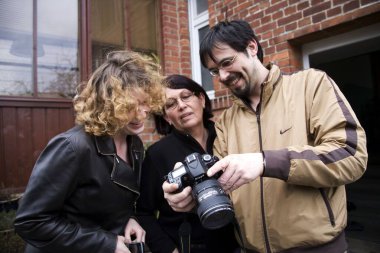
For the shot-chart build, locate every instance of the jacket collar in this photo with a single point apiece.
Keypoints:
(209, 125)
(122, 174)
(269, 85)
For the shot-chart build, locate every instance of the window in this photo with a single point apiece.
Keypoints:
(121, 24)
(198, 17)
(38, 48)
(39, 41)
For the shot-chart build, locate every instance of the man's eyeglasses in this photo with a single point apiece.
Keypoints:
(172, 103)
(222, 65)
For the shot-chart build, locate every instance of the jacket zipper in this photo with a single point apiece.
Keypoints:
(258, 112)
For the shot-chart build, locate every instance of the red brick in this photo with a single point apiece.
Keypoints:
(270, 50)
(351, 6)
(318, 17)
(290, 10)
(334, 12)
(302, 6)
(339, 2)
(289, 19)
(365, 2)
(277, 15)
(275, 7)
(282, 46)
(314, 2)
(316, 9)
(304, 22)
(291, 27)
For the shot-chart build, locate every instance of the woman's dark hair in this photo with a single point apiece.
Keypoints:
(182, 82)
(237, 34)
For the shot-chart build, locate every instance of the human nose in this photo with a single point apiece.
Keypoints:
(142, 111)
(180, 103)
(223, 74)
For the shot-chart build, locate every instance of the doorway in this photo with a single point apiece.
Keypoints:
(355, 67)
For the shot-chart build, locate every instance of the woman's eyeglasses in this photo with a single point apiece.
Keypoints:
(222, 65)
(172, 103)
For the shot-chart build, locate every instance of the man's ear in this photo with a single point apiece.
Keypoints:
(252, 48)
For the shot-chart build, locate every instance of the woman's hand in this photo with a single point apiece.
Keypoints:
(133, 228)
(120, 245)
(180, 202)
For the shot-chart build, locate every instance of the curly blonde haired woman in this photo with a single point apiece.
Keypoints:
(82, 192)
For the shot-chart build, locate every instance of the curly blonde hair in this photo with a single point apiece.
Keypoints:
(104, 104)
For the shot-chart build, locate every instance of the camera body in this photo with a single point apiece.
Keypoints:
(193, 170)
(136, 247)
(214, 206)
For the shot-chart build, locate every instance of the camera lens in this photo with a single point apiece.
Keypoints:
(214, 207)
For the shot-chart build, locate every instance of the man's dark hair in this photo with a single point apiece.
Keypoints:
(237, 34)
(183, 82)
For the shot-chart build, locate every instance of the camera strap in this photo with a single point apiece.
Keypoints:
(238, 230)
(184, 233)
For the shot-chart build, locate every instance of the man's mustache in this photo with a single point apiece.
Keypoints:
(231, 78)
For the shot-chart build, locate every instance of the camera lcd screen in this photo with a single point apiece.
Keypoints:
(179, 172)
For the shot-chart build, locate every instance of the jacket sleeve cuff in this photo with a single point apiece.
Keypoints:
(277, 164)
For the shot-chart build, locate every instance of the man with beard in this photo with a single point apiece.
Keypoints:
(289, 144)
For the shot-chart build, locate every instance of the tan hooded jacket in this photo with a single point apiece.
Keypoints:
(313, 145)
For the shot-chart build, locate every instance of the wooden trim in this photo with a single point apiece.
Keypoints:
(85, 39)
(34, 52)
(33, 102)
(127, 34)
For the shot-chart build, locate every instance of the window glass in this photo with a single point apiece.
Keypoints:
(142, 25)
(119, 24)
(205, 74)
(57, 48)
(16, 25)
(107, 29)
(202, 5)
(55, 62)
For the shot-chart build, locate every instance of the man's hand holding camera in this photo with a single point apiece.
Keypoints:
(238, 169)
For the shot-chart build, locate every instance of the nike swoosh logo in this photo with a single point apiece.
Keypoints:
(285, 130)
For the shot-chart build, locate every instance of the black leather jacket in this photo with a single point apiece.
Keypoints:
(80, 195)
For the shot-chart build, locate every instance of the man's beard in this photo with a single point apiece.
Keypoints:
(243, 92)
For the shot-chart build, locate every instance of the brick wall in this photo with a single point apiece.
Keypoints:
(282, 26)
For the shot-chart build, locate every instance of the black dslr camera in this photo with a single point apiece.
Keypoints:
(214, 206)
(136, 247)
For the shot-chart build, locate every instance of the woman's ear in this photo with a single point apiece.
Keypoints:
(203, 100)
(167, 119)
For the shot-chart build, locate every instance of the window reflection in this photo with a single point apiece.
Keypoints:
(142, 21)
(56, 53)
(16, 48)
(107, 29)
(58, 72)
(120, 24)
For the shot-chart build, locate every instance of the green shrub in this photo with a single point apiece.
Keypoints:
(10, 242)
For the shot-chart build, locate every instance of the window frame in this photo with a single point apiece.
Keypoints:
(337, 41)
(197, 22)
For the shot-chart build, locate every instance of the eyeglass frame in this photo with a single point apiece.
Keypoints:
(221, 65)
(184, 100)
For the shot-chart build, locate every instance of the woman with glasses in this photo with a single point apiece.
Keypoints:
(187, 124)
(82, 192)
